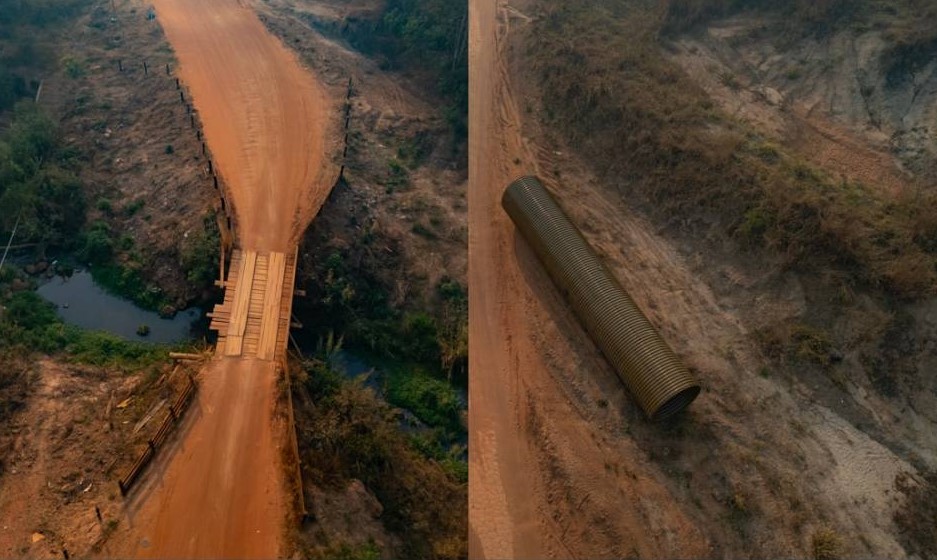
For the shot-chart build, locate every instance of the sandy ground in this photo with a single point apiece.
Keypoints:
(562, 464)
(218, 490)
(266, 119)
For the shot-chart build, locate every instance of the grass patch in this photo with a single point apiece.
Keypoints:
(30, 324)
(826, 544)
(653, 133)
(434, 401)
(349, 433)
(126, 280)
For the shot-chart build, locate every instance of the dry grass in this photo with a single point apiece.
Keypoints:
(652, 132)
(826, 544)
(916, 518)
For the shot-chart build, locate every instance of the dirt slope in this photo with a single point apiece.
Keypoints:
(562, 462)
(536, 483)
(267, 121)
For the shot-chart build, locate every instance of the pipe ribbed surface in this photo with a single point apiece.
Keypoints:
(657, 379)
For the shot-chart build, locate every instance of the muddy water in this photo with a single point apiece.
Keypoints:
(84, 304)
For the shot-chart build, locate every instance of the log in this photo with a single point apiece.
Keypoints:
(185, 356)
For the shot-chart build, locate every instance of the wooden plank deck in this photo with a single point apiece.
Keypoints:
(254, 317)
(242, 292)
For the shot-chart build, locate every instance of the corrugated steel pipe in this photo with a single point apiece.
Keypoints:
(657, 379)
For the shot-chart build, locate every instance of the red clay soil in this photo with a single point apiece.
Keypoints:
(265, 117)
(218, 491)
(222, 491)
(537, 486)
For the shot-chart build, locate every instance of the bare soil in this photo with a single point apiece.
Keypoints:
(562, 464)
(405, 180)
(218, 490)
(78, 432)
(271, 127)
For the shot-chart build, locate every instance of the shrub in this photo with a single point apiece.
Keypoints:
(432, 400)
(348, 433)
(200, 253)
(99, 248)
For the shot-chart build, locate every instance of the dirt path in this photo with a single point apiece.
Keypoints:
(218, 491)
(222, 491)
(537, 486)
(266, 119)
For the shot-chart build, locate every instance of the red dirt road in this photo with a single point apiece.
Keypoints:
(221, 494)
(265, 117)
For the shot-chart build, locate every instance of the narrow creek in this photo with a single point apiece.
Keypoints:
(83, 303)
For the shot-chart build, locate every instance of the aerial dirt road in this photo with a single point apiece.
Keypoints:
(221, 494)
(265, 117)
(537, 486)
(221, 490)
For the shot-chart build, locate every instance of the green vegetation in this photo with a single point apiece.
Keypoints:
(38, 187)
(432, 400)
(344, 551)
(349, 433)
(350, 296)
(29, 323)
(428, 38)
(24, 30)
(37, 13)
(12, 88)
(200, 253)
(655, 134)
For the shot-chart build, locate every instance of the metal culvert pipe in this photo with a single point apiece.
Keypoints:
(657, 379)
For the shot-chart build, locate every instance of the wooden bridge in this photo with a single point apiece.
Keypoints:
(254, 318)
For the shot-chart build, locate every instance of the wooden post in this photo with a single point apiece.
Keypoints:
(178, 86)
(97, 512)
(211, 168)
(192, 120)
(120, 65)
(145, 70)
(215, 178)
(205, 151)
(181, 96)
(167, 69)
